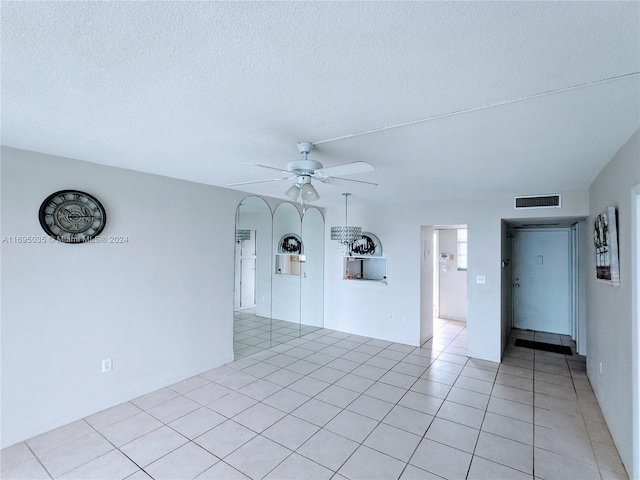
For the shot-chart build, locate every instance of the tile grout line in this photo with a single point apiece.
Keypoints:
(584, 422)
(484, 416)
(38, 460)
(164, 424)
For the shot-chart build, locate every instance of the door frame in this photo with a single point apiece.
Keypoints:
(635, 327)
(573, 283)
(436, 274)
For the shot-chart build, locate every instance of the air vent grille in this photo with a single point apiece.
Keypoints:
(537, 201)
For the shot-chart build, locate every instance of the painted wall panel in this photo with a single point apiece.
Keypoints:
(159, 304)
(609, 324)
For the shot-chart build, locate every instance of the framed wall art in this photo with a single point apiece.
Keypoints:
(605, 239)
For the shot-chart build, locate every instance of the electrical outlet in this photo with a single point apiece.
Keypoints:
(391, 316)
(600, 367)
(481, 279)
(107, 365)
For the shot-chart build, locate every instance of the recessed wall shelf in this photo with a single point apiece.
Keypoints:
(365, 268)
(291, 264)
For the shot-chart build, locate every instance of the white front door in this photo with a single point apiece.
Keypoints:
(541, 280)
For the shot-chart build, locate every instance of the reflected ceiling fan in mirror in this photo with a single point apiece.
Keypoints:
(304, 170)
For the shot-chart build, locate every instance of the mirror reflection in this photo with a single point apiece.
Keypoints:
(279, 272)
(285, 289)
(312, 284)
(252, 298)
(291, 264)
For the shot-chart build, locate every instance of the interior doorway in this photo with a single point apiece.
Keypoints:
(535, 252)
(542, 287)
(431, 299)
(450, 273)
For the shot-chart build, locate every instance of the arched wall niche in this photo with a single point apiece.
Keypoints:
(279, 274)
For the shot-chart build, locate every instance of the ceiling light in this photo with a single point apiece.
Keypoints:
(302, 190)
(308, 193)
(346, 234)
(294, 192)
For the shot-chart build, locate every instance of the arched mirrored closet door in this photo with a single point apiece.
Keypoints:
(279, 275)
(252, 296)
(290, 267)
(312, 283)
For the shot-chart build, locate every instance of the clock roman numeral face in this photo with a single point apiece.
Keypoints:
(72, 216)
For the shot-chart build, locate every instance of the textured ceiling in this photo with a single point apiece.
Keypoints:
(531, 97)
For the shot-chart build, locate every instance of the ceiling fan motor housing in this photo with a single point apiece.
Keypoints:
(302, 179)
(303, 167)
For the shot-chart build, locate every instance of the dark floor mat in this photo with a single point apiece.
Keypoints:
(547, 347)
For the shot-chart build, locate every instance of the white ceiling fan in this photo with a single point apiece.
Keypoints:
(304, 170)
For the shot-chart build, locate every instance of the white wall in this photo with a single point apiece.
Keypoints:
(160, 305)
(453, 282)
(363, 308)
(585, 238)
(609, 325)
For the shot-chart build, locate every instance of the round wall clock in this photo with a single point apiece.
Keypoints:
(71, 216)
(290, 243)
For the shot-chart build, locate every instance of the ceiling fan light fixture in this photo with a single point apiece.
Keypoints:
(302, 190)
(304, 169)
(294, 192)
(308, 193)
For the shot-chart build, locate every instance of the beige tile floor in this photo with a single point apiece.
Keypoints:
(334, 405)
(253, 333)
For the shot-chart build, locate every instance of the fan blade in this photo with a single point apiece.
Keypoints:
(346, 181)
(259, 181)
(267, 166)
(345, 169)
